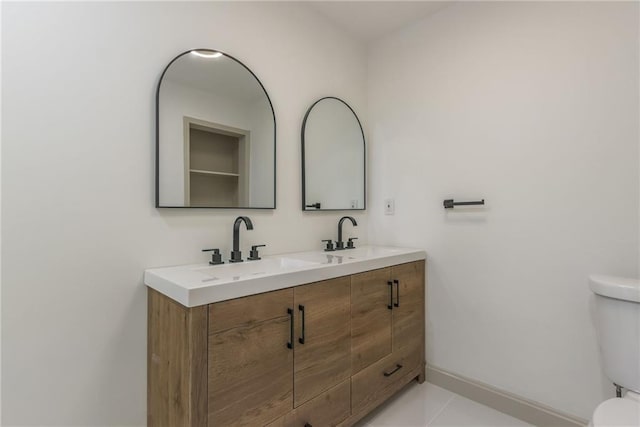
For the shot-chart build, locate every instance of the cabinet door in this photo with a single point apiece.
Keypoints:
(323, 346)
(370, 318)
(327, 409)
(408, 304)
(250, 365)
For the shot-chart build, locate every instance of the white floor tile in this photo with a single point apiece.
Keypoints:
(422, 405)
(464, 412)
(414, 406)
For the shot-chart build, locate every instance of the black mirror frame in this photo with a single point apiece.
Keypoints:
(275, 145)
(364, 160)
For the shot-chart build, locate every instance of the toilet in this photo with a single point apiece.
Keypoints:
(617, 311)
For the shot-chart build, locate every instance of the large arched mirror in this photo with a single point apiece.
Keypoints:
(333, 157)
(215, 128)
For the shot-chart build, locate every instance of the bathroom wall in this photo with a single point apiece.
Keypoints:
(533, 107)
(78, 218)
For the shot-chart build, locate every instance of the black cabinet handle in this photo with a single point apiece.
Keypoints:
(396, 369)
(390, 305)
(397, 283)
(301, 308)
(290, 313)
(307, 425)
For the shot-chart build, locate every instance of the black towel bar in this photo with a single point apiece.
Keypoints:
(450, 204)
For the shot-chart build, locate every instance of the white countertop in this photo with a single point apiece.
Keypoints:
(199, 284)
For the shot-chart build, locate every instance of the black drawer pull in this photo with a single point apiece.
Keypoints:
(397, 283)
(290, 313)
(301, 339)
(390, 305)
(307, 425)
(396, 369)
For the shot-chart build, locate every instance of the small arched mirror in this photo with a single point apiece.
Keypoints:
(333, 157)
(215, 128)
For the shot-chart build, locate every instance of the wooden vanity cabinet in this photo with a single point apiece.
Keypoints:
(371, 311)
(327, 409)
(322, 350)
(408, 305)
(319, 354)
(176, 363)
(250, 364)
(387, 309)
(387, 333)
(256, 363)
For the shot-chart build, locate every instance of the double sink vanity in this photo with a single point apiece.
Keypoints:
(309, 339)
(302, 339)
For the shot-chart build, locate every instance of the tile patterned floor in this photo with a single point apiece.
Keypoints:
(429, 405)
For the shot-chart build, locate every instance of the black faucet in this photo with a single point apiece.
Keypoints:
(236, 255)
(340, 243)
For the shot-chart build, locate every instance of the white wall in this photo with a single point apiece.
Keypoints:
(534, 107)
(78, 221)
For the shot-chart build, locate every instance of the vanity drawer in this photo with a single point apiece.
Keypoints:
(327, 409)
(249, 310)
(370, 383)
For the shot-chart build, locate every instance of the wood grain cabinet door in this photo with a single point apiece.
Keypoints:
(250, 365)
(323, 338)
(370, 318)
(326, 410)
(408, 304)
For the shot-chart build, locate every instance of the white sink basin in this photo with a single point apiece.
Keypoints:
(193, 285)
(347, 255)
(321, 257)
(370, 252)
(247, 269)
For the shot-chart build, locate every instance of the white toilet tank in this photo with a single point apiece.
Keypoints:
(617, 307)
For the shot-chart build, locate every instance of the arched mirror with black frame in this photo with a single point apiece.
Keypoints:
(215, 135)
(333, 157)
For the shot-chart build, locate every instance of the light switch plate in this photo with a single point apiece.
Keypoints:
(389, 207)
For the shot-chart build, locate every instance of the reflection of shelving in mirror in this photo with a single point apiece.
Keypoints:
(213, 173)
(216, 164)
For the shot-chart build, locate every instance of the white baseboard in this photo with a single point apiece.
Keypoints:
(526, 410)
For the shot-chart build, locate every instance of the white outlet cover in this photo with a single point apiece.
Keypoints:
(389, 206)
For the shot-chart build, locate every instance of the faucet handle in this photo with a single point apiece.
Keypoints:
(329, 247)
(350, 242)
(253, 254)
(216, 257)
